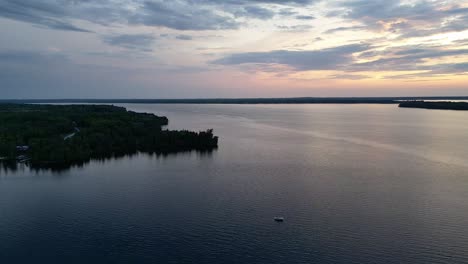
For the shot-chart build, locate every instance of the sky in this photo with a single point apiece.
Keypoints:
(232, 48)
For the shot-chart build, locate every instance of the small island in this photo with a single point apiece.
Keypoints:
(446, 105)
(65, 135)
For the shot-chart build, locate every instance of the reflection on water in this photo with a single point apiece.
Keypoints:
(431, 155)
(13, 166)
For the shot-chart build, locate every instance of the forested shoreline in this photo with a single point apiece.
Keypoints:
(435, 105)
(62, 135)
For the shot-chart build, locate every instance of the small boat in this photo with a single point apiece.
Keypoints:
(279, 219)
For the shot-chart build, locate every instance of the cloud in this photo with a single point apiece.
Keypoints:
(461, 41)
(346, 59)
(452, 68)
(406, 18)
(267, 25)
(287, 12)
(340, 29)
(184, 37)
(255, 12)
(407, 59)
(207, 14)
(50, 14)
(182, 16)
(435, 71)
(385, 10)
(348, 76)
(325, 59)
(295, 28)
(278, 2)
(304, 17)
(142, 42)
(456, 24)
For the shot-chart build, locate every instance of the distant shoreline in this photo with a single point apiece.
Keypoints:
(295, 100)
(460, 106)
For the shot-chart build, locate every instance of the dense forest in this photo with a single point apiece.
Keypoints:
(50, 135)
(435, 105)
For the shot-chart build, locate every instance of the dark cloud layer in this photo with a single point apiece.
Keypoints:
(255, 12)
(141, 42)
(345, 58)
(407, 59)
(325, 59)
(422, 18)
(51, 14)
(418, 19)
(180, 15)
(303, 17)
(243, 2)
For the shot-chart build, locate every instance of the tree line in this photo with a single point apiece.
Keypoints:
(67, 134)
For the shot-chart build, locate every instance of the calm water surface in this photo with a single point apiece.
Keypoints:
(355, 183)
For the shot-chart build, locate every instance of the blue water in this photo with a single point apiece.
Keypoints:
(355, 183)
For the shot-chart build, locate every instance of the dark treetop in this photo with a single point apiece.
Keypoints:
(436, 105)
(63, 135)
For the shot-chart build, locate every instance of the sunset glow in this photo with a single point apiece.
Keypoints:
(235, 48)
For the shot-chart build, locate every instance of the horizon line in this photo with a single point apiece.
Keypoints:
(238, 98)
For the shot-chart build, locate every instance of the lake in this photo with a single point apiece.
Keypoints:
(355, 184)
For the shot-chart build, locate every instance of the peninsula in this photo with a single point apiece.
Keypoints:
(435, 105)
(50, 135)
